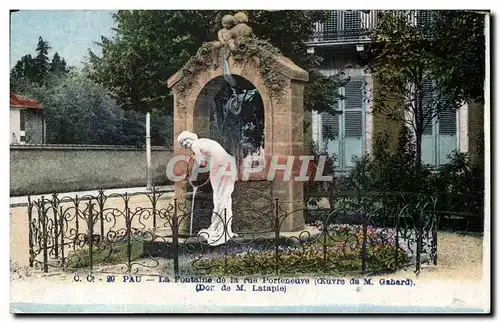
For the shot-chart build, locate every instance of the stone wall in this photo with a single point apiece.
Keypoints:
(40, 169)
(34, 126)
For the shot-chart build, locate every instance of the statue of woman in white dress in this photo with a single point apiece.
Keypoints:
(222, 177)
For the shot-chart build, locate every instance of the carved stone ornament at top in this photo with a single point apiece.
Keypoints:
(225, 35)
(241, 29)
(235, 27)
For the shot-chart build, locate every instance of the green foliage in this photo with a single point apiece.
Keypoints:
(80, 111)
(195, 65)
(58, 65)
(150, 46)
(289, 30)
(267, 54)
(423, 65)
(389, 171)
(322, 90)
(314, 191)
(105, 255)
(38, 70)
(306, 261)
(41, 61)
(77, 110)
(457, 185)
(22, 74)
(162, 129)
(460, 52)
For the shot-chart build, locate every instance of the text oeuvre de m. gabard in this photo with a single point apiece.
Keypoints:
(244, 284)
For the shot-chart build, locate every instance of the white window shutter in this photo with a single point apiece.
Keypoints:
(353, 121)
(426, 106)
(330, 131)
(447, 135)
(439, 138)
(448, 123)
(330, 126)
(428, 137)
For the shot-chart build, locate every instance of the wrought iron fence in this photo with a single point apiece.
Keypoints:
(359, 233)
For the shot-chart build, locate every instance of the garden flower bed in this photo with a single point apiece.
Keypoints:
(338, 249)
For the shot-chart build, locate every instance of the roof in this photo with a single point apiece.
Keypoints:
(18, 102)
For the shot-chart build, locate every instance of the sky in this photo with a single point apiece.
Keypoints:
(69, 32)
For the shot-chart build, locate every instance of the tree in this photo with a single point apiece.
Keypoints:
(95, 120)
(38, 69)
(162, 129)
(460, 46)
(41, 61)
(149, 46)
(22, 73)
(77, 110)
(80, 111)
(420, 69)
(58, 65)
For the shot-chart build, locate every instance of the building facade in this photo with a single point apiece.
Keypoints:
(27, 124)
(342, 42)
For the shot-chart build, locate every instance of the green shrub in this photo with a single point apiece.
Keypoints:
(458, 185)
(310, 260)
(343, 246)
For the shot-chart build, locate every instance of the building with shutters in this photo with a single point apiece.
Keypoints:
(341, 42)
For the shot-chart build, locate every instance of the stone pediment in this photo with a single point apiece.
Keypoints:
(292, 71)
(284, 66)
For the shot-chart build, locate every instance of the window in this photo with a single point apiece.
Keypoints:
(343, 134)
(352, 21)
(22, 117)
(331, 26)
(424, 18)
(342, 24)
(439, 138)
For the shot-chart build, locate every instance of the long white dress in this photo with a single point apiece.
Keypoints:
(222, 178)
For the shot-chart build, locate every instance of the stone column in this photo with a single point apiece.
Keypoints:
(288, 140)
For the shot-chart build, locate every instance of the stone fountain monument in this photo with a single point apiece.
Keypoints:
(252, 80)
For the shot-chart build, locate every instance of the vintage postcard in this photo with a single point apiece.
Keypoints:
(255, 161)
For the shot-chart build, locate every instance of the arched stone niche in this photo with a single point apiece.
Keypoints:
(211, 100)
(283, 132)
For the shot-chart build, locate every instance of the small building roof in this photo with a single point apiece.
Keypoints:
(18, 102)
